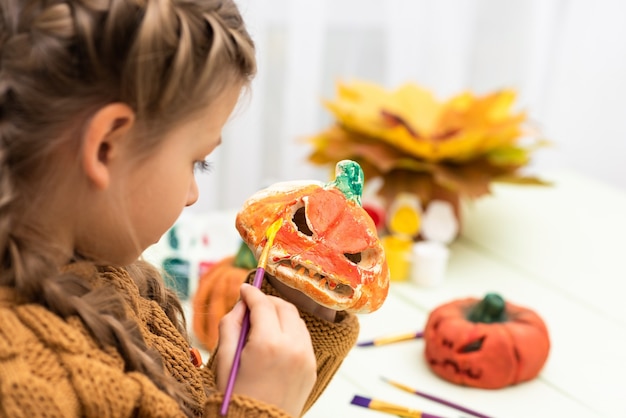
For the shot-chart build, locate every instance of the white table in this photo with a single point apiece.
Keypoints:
(558, 250)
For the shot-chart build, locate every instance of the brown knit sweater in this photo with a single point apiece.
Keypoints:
(52, 367)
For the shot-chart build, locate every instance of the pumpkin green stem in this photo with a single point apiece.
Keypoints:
(245, 258)
(489, 310)
(349, 180)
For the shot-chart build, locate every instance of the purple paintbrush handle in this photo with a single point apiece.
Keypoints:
(451, 404)
(258, 277)
(245, 327)
(427, 415)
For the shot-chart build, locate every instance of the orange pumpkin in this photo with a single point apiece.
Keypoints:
(217, 293)
(327, 246)
(486, 343)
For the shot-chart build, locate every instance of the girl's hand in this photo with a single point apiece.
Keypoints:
(278, 365)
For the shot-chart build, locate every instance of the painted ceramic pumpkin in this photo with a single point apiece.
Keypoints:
(486, 343)
(327, 246)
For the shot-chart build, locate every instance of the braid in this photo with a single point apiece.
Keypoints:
(6, 182)
(6, 197)
(151, 286)
(165, 59)
(179, 30)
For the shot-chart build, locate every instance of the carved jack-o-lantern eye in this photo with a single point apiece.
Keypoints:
(355, 258)
(299, 219)
(365, 259)
(472, 346)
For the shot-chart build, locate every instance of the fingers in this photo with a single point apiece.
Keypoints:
(275, 326)
(278, 364)
(233, 319)
(261, 306)
(267, 310)
(270, 318)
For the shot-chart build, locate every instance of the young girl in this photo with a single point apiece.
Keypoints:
(106, 107)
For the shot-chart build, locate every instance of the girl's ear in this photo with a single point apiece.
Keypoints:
(103, 138)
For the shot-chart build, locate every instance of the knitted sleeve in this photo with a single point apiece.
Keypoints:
(332, 341)
(51, 367)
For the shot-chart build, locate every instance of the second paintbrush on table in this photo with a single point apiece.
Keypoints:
(391, 339)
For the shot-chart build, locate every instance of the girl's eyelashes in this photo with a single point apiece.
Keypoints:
(203, 166)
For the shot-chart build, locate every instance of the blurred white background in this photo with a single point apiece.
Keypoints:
(565, 58)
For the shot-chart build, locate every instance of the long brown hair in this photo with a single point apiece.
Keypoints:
(59, 62)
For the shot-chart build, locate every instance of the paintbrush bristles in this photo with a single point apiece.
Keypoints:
(270, 234)
(394, 409)
(400, 385)
(390, 408)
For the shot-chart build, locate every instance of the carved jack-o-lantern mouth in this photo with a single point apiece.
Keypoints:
(452, 365)
(298, 272)
(327, 246)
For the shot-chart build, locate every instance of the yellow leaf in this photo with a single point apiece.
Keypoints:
(508, 156)
(417, 143)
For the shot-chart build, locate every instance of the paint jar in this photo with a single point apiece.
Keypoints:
(404, 215)
(177, 276)
(429, 263)
(376, 211)
(430, 256)
(403, 224)
(398, 253)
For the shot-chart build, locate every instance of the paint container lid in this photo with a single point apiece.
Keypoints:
(439, 222)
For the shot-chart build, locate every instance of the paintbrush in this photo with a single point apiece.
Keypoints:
(390, 408)
(245, 326)
(435, 399)
(391, 339)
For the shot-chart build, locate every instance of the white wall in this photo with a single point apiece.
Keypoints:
(566, 58)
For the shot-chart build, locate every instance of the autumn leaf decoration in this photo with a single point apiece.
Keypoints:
(416, 143)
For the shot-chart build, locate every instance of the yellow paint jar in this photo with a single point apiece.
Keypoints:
(398, 252)
(404, 215)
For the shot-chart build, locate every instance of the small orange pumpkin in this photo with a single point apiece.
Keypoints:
(486, 343)
(217, 293)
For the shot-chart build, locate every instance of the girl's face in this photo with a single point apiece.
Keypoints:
(161, 185)
(165, 183)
